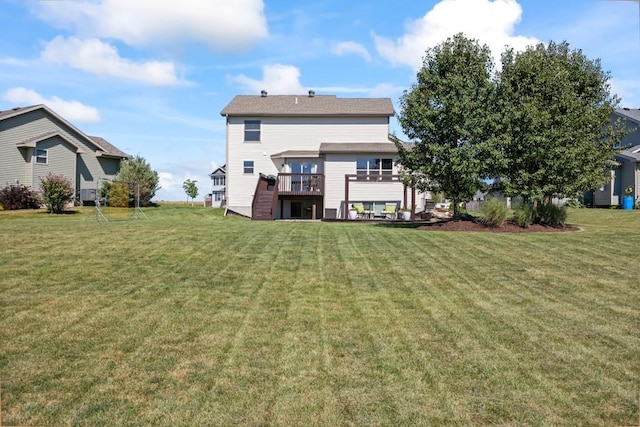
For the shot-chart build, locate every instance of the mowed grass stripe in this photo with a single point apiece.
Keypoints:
(211, 320)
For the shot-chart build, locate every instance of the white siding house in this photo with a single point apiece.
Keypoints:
(35, 141)
(218, 185)
(324, 152)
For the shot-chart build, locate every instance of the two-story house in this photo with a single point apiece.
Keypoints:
(310, 156)
(218, 185)
(35, 140)
(626, 174)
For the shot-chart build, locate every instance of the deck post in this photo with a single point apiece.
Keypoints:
(345, 210)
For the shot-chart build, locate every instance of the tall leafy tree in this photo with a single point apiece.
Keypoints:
(557, 138)
(191, 189)
(138, 173)
(446, 114)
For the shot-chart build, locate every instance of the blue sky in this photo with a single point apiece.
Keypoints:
(151, 76)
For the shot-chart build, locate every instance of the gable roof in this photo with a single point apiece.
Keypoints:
(303, 105)
(632, 153)
(31, 142)
(629, 113)
(221, 170)
(105, 148)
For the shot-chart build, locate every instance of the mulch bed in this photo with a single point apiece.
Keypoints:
(475, 224)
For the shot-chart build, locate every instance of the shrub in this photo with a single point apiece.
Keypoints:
(523, 215)
(494, 212)
(57, 191)
(119, 194)
(551, 215)
(18, 197)
(574, 203)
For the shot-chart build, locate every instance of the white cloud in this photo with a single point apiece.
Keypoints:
(73, 111)
(492, 22)
(224, 25)
(347, 48)
(97, 57)
(277, 79)
(627, 90)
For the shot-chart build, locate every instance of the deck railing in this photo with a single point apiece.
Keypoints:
(301, 184)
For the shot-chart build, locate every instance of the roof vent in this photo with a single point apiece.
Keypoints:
(263, 93)
(312, 93)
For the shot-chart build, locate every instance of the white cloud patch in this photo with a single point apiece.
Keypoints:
(97, 57)
(222, 24)
(627, 90)
(73, 111)
(492, 22)
(351, 48)
(277, 79)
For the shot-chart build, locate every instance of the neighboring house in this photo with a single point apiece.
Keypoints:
(627, 172)
(218, 186)
(310, 156)
(35, 141)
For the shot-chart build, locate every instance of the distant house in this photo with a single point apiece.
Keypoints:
(308, 156)
(35, 141)
(627, 172)
(218, 186)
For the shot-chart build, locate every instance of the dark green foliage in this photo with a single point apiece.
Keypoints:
(550, 214)
(555, 132)
(137, 172)
(445, 113)
(57, 192)
(494, 212)
(14, 197)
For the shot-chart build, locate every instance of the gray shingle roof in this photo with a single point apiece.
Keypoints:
(358, 147)
(631, 153)
(304, 105)
(629, 113)
(107, 147)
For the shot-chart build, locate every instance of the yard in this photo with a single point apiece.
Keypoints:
(192, 318)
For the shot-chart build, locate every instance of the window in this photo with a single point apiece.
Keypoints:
(41, 156)
(218, 180)
(252, 130)
(248, 166)
(376, 166)
(218, 196)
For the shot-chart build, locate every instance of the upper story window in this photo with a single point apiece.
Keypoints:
(374, 166)
(42, 156)
(252, 130)
(248, 166)
(218, 180)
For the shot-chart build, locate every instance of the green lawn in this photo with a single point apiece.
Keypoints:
(192, 318)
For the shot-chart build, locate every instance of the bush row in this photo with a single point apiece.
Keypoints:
(495, 213)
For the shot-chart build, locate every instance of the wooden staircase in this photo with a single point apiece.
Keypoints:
(265, 198)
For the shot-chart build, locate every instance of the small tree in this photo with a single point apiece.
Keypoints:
(57, 191)
(191, 189)
(139, 174)
(446, 114)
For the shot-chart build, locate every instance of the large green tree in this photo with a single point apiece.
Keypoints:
(556, 134)
(445, 114)
(138, 173)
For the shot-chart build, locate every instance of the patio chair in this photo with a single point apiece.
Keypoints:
(389, 211)
(360, 211)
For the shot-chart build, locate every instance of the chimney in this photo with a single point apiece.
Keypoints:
(263, 93)
(312, 93)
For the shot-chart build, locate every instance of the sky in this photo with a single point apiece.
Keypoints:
(151, 76)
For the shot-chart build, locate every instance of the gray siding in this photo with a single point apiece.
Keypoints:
(85, 169)
(61, 159)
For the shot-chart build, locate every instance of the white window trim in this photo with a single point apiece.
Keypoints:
(45, 156)
(244, 167)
